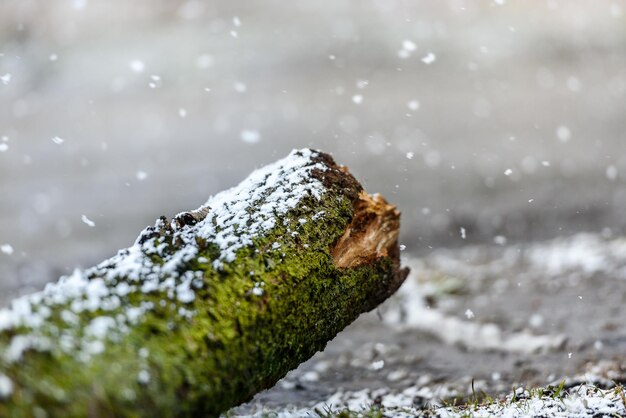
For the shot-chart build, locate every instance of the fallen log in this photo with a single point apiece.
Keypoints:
(207, 309)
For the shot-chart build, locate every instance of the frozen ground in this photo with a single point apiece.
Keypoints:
(579, 401)
(497, 127)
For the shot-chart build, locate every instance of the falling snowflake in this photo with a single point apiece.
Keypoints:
(563, 133)
(250, 136)
(429, 58)
(240, 87)
(87, 221)
(137, 66)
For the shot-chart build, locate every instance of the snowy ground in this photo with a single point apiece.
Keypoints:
(580, 401)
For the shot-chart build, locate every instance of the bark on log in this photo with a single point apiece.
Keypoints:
(207, 309)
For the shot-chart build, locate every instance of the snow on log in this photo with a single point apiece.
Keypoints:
(207, 309)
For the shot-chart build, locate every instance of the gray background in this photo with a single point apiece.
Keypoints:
(505, 78)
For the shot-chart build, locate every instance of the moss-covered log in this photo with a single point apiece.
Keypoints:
(207, 309)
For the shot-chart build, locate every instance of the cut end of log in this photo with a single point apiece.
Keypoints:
(373, 233)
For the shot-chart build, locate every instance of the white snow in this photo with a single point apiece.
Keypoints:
(6, 248)
(137, 66)
(563, 133)
(412, 312)
(257, 290)
(378, 365)
(21, 343)
(581, 401)
(6, 78)
(413, 105)
(272, 190)
(184, 293)
(357, 98)
(57, 140)
(99, 326)
(586, 253)
(500, 240)
(611, 172)
(310, 376)
(6, 386)
(429, 58)
(409, 45)
(4, 147)
(87, 221)
(141, 175)
(250, 136)
(143, 377)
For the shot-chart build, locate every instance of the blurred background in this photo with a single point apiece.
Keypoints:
(505, 118)
(493, 125)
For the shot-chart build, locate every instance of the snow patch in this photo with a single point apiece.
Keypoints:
(413, 313)
(581, 401)
(6, 386)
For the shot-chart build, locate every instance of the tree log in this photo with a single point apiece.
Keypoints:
(207, 309)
